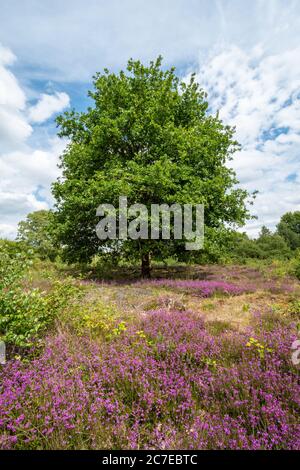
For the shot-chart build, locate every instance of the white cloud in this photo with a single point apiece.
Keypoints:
(6, 56)
(7, 231)
(26, 177)
(72, 39)
(255, 82)
(47, 106)
(14, 128)
(26, 172)
(259, 93)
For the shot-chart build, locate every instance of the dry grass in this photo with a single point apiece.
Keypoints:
(237, 311)
(133, 300)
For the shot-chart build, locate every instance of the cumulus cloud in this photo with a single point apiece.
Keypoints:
(259, 93)
(26, 172)
(72, 39)
(47, 106)
(26, 177)
(14, 128)
(254, 83)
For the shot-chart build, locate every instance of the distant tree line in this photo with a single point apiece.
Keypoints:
(37, 233)
(283, 243)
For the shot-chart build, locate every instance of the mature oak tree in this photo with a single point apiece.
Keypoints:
(148, 136)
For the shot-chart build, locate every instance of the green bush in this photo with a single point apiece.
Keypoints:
(13, 248)
(297, 271)
(295, 264)
(268, 246)
(35, 232)
(272, 245)
(26, 314)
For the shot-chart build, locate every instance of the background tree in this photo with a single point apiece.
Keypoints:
(267, 245)
(289, 229)
(35, 232)
(272, 245)
(241, 247)
(148, 137)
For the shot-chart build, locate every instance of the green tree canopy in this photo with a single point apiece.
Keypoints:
(272, 245)
(268, 245)
(289, 229)
(148, 136)
(35, 232)
(241, 247)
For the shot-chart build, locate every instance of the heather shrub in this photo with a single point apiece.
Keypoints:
(273, 318)
(200, 288)
(164, 382)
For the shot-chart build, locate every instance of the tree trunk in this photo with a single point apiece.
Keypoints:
(146, 265)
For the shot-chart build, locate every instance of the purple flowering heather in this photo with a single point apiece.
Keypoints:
(165, 383)
(202, 288)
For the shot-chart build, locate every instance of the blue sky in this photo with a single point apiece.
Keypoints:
(246, 55)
